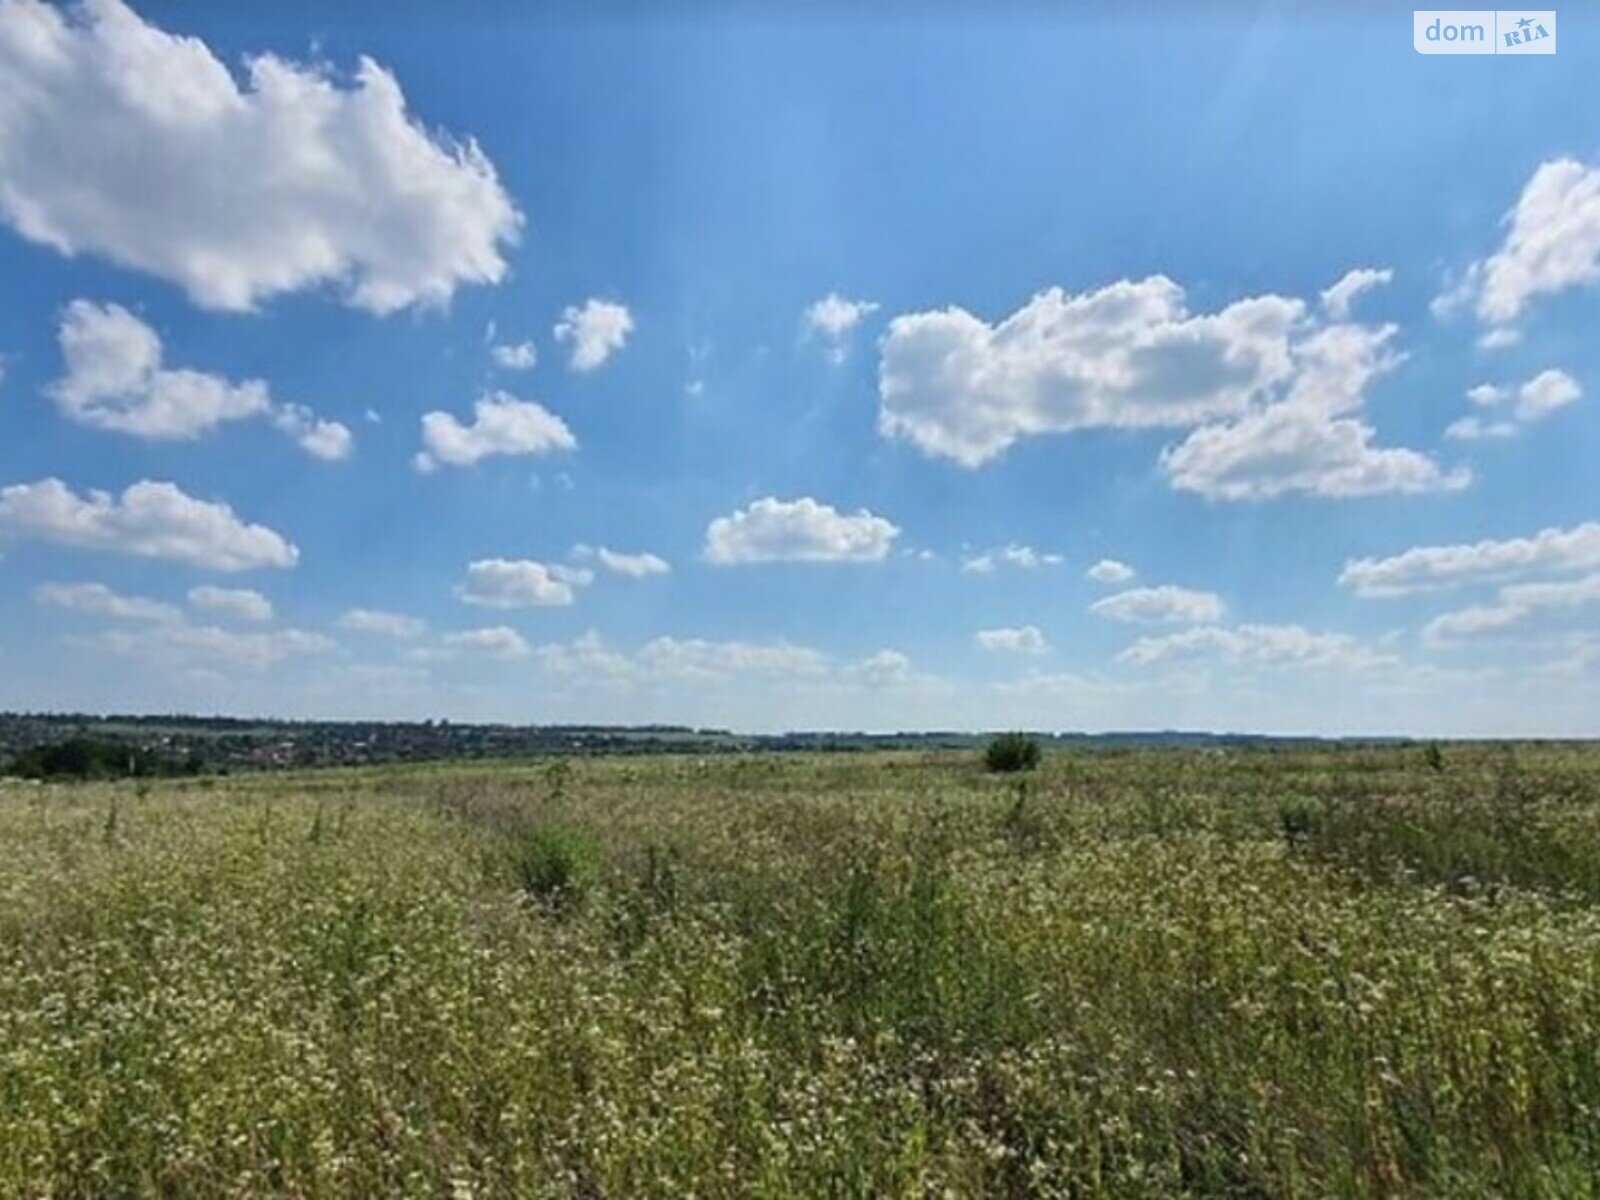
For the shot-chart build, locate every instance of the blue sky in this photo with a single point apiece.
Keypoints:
(857, 343)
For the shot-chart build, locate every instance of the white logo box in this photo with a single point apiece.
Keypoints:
(1484, 31)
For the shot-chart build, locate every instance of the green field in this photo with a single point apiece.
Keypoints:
(1339, 972)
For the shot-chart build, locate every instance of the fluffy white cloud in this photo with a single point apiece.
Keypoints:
(1025, 557)
(1546, 392)
(1552, 244)
(1518, 605)
(1499, 337)
(1537, 398)
(699, 659)
(381, 623)
(127, 142)
(1471, 622)
(1024, 640)
(171, 646)
(149, 520)
(596, 331)
(520, 583)
(115, 381)
(1165, 603)
(885, 668)
(670, 660)
(635, 566)
(1566, 594)
(1476, 429)
(772, 530)
(833, 317)
(1273, 392)
(520, 356)
(1308, 441)
(240, 603)
(1257, 645)
(501, 424)
(1109, 570)
(1338, 298)
(96, 599)
(1424, 568)
(330, 441)
(1129, 355)
(496, 641)
(1282, 450)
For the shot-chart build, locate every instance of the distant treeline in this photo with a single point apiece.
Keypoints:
(89, 758)
(87, 746)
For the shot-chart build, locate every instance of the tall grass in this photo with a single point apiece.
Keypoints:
(1317, 974)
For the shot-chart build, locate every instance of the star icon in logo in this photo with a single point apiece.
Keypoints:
(1524, 23)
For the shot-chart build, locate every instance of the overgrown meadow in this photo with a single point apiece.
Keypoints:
(1341, 972)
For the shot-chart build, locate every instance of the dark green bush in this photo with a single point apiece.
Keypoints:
(1012, 752)
(556, 866)
(82, 758)
(1300, 819)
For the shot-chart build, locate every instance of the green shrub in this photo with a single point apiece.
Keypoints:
(1012, 752)
(1300, 819)
(557, 866)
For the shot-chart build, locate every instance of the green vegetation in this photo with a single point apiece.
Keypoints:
(1011, 752)
(89, 758)
(1325, 972)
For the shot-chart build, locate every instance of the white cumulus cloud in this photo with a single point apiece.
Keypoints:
(1257, 645)
(1164, 603)
(115, 381)
(635, 566)
(1128, 355)
(149, 520)
(501, 424)
(520, 583)
(1537, 398)
(382, 623)
(242, 604)
(1023, 557)
(127, 142)
(595, 331)
(1023, 640)
(330, 441)
(518, 356)
(1338, 298)
(1518, 605)
(1274, 392)
(173, 646)
(1109, 570)
(804, 530)
(833, 317)
(1552, 243)
(496, 641)
(97, 600)
(1310, 441)
(1425, 568)
(1546, 392)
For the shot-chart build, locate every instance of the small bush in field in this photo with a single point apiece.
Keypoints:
(1299, 819)
(557, 866)
(1012, 752)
